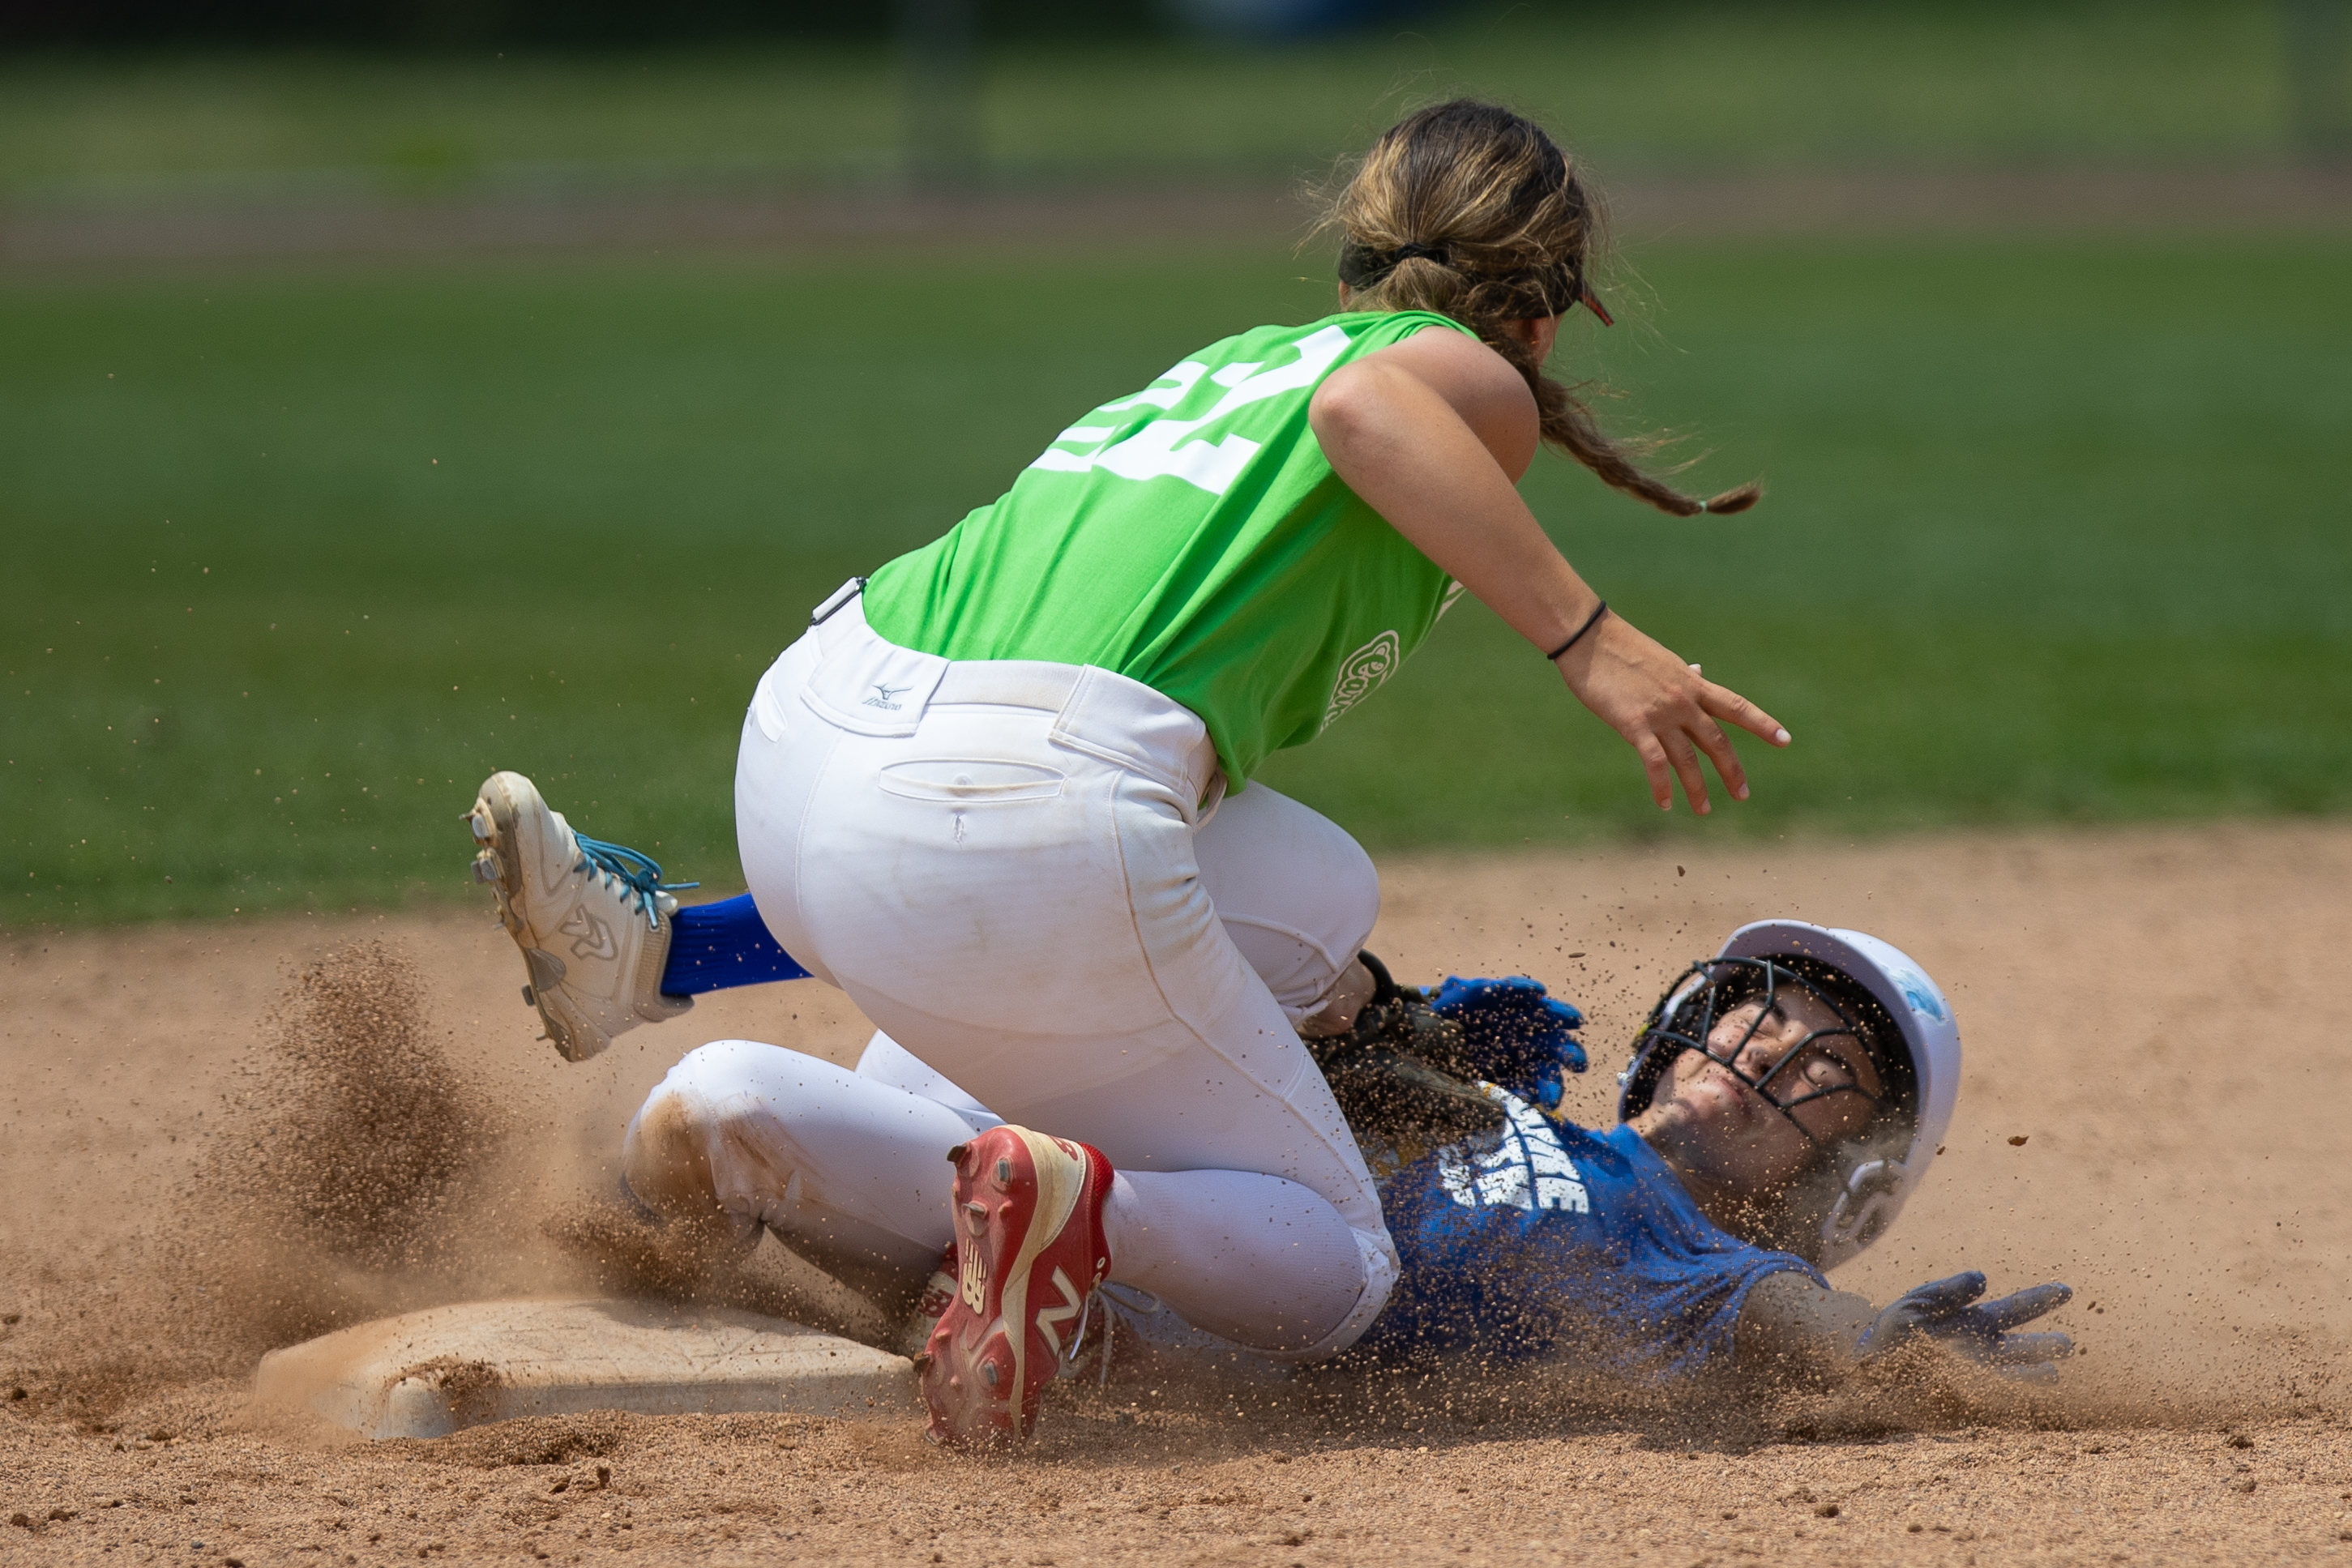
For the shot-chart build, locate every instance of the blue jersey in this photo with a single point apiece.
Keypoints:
(1546, 1240)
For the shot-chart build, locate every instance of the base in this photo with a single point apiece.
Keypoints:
(428, 1373)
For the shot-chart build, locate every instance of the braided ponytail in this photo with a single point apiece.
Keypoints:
(1469, 210)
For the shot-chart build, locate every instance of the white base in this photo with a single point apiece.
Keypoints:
(429, 1373)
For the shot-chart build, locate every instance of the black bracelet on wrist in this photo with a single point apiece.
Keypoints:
(1590, 622)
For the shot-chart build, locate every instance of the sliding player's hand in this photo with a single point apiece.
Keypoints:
(1948, 1312)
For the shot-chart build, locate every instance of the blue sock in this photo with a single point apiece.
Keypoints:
(714, 945)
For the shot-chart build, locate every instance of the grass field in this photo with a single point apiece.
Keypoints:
(1710, 85)
(2056, 531)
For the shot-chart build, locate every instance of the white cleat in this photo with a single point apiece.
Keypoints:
(593, 919)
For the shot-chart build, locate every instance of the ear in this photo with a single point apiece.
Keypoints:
(1538, 333)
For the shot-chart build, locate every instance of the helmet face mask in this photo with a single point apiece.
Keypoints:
(1897, 1015)
(1714, 990)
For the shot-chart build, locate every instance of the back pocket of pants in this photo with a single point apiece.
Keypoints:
(969, 781)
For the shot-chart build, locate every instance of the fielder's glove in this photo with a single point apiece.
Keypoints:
(1407, 1076)
(1513, 1035)
(1948, 1312)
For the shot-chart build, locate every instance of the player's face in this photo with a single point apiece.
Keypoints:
(1705, 1121)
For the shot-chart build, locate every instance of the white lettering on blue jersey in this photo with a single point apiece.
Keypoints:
(1526, 1169)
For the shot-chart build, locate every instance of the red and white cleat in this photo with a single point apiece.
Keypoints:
(1029, 1251)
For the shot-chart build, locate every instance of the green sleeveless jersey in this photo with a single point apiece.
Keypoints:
(1191, 536)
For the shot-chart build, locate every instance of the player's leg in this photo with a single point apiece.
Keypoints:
(848, 1172)
(1081, 1039)
(1205, 1242)
(721, 944)
(606, 945)
(1012, 892)
(594, 920)
(1294, 891)
(884, 1060)
(1297, 895)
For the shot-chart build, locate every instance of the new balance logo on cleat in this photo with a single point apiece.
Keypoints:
(1051, 1319)
(971, 1269)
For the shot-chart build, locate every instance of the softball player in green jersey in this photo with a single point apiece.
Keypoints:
(999, 793)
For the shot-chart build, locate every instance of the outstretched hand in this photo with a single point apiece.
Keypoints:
(1668, 713)
(1948, 1312)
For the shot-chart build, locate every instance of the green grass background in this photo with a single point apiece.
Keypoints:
(1710, 85)
(2056, 530)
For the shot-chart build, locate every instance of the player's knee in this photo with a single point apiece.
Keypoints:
(665, 1154)
(664, 1157)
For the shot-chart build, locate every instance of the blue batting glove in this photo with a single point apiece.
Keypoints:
(1948, 1312)
(1520, 1039)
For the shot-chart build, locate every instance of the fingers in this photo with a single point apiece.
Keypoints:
(1661, 772)
(1723, 702)
(1561, 1015)
(1943, 1297)
(1717, 746)
(2030, 1350)
(2024, 1306)
(1685, 757)
(1680, 746)
(1687, 736)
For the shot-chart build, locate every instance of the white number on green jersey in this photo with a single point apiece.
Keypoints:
(1173, 448)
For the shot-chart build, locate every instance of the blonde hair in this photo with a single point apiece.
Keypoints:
(1472, 212)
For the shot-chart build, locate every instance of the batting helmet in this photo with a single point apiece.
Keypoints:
(1874, 1190)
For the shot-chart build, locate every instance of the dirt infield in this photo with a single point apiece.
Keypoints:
(2152, 1011)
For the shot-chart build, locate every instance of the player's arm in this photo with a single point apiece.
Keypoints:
(1434, 433)
(1790, 1324)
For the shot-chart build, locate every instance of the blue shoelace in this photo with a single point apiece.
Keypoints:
(640, 874)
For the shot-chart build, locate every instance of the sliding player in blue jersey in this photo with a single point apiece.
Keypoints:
(1782, 1102)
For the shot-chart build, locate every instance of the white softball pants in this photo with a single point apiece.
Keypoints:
(1021, 873)
(846, 1169)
